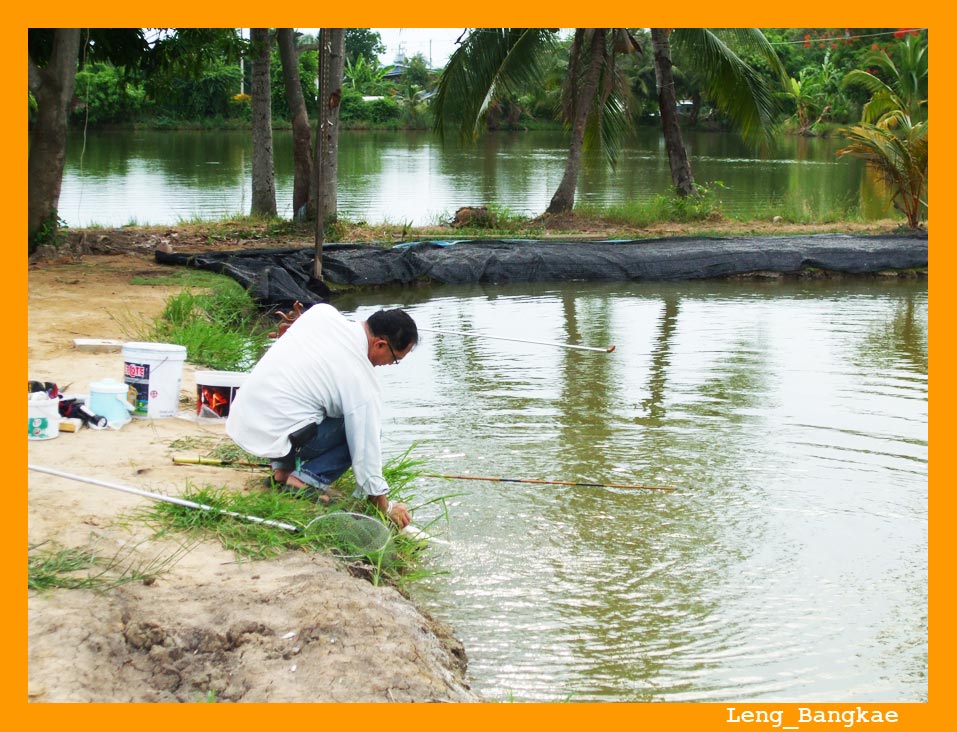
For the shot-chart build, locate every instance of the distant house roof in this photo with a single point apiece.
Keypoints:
(396, 71)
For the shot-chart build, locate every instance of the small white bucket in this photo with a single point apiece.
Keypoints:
(154, 372)
(111, 399)
(43, 416)
(215, 391)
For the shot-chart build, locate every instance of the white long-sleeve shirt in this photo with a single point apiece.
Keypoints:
(319, 367)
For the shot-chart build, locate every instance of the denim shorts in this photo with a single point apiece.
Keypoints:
(321, 457)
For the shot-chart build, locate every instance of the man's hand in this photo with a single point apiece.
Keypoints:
(400, 515)
(397, 512)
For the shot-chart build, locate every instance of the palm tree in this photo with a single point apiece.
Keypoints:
(263, 171)
(735, 88)
(905, 88)
(502, 61)
(366, 77)
(897, 150)
(595, 106)
(302, 154)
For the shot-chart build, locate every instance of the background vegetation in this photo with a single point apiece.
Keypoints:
(868, 85)
(817, 101)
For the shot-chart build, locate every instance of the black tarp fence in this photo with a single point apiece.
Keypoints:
(279, 277)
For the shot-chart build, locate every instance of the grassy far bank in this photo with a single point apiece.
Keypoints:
(663, 217)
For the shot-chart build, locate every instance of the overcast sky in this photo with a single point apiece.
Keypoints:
(435, 44)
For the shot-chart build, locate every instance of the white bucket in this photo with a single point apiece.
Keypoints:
(215, 391)
(43, 416)
(154, 372)
(111, 399)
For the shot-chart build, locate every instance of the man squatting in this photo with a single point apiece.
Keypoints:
(313, 403)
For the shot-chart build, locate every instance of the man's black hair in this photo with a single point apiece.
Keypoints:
(396, 326)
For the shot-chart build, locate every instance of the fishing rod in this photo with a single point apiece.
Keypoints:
(547, 482)
(474, 334)
(242, 463)
(218, 463)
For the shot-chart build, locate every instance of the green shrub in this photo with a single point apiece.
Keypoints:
(105, 95)
(220, 327)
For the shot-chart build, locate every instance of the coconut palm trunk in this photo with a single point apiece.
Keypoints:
(301, 142)
(264, 178)
(681, 175)
(332, 43)
(564, 198)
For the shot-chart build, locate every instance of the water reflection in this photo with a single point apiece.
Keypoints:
(114, 178)
(790, 563)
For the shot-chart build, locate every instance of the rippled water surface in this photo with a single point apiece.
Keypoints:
(790, 561)
(117, 178)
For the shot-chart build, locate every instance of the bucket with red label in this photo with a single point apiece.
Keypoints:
(153, 372)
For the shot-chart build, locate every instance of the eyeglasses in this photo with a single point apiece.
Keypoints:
(395, 360)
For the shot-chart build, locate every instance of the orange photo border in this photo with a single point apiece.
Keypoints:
(497, 716)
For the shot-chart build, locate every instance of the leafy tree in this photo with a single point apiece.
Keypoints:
(417, 72)
(307, 70)
(808, 96)
(53, 58)
(831, 52)
(194, 72)
(544, 100)
(209, 94)
(896, 148)
(363, 42)
(410, 99)
(105, 94)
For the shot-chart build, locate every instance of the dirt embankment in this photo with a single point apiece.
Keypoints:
(297, 628)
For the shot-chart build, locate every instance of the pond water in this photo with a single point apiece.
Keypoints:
(119, 178)
(788, 564)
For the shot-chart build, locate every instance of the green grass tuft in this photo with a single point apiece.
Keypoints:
(75, 568)
(220, 326)
(398, 562)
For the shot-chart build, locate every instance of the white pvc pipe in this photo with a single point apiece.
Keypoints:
(474, 334)
(160, 497)
(413, 531)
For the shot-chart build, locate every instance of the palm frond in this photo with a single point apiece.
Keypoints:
(490, 60)
(736, 88)
(897, 150)
(865, 79)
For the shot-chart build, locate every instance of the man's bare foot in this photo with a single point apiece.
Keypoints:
(321, 495)
(280, 476)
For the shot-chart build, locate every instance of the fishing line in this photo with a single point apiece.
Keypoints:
(474, 334)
